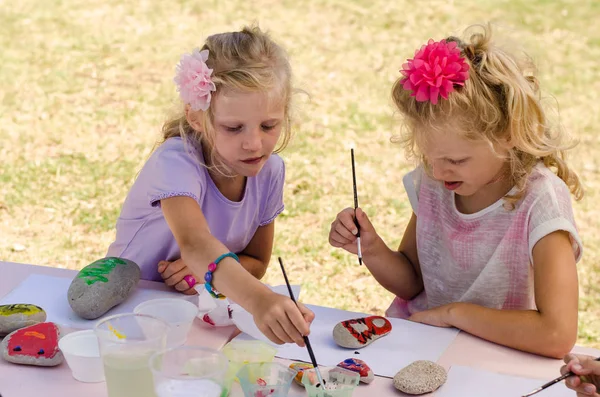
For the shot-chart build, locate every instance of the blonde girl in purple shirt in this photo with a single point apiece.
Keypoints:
(203, 207)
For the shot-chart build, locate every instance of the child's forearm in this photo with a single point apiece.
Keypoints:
(230, 278)
(527, 330)
(393, 271)
(254, 266)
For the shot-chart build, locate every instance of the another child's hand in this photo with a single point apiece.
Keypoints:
(438, 316)
(343, 232)
(173, 273)
(587, 381)
(280, 320)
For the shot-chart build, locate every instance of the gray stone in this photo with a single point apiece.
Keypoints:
(102, 285)
(33, 345)
(361, 332)
(420, 377)
(20, 315)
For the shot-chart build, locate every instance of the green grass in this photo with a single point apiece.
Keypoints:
(85, 88)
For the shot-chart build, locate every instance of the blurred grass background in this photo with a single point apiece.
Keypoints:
(85, 87)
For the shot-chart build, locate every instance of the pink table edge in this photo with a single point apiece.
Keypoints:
(466, 350)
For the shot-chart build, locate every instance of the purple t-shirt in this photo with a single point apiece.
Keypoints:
(175, 169)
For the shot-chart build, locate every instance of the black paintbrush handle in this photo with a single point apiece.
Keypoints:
(561, 378)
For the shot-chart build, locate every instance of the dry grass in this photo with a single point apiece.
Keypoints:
(86, 85)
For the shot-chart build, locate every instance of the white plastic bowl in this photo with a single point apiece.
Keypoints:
(178, 313)
(83, 356)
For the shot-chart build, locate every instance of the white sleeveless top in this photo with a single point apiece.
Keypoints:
(483, 258)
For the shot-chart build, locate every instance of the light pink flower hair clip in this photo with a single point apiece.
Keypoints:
(434, 71)
(193, 80)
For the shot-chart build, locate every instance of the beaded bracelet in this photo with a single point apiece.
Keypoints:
(208, 276)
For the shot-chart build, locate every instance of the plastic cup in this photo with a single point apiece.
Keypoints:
(339, 382)
(126, 343)
(266, 379)
(82, 354)
(241, 352)
(188, 371)
(178, 313)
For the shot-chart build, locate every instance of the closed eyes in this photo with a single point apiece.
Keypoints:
(238, 128)
(457, 162)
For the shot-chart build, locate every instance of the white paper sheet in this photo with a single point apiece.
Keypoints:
(50, 293)
(406, 343)
(475, 382)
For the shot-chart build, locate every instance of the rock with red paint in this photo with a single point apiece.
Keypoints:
(361, 332)
(356, 365)
(33, 345)
(300, 367)
(102, 285)
(14, 317)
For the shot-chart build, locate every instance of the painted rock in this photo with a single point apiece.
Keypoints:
(356, 365)
(102, 285)
(300, 367)
(361, 332)
(14, 317)
(33, 345)
(420, 377)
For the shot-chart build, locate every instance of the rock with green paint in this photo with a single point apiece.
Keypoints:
(102, 285)
(21, 315)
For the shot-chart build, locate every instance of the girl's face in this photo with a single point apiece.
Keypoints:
(466, 167)
(247, 127)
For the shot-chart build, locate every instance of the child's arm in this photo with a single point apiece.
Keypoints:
(397, 271)
(276, 315)
(551, 330)
(257, 254)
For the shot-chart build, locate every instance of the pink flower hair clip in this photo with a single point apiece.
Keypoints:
(193, 80)
(435, 69)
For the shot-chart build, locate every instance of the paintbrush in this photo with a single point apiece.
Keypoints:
(552, 382)
(306, 341)
(355, 207)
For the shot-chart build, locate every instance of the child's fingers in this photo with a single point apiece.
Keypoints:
(177, 278)
(296, 319)
(280, 332)
(344, 233)
(337, 240)
(162, 265)
(346, 218)
(363, 220)
(291, 330)
(308, 315)
(266, 330)
(172, 268)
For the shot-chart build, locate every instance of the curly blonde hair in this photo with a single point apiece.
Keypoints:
(248, 60)
(500, 101)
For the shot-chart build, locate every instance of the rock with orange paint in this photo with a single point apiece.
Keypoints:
(33, 345)
(361, 332)
(21, 315)
(102, 285)
(300, 367)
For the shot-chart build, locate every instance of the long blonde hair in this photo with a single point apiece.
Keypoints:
(248, 60)
(500, 101)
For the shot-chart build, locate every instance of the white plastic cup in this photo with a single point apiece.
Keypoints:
(178, 313)
(82, 354)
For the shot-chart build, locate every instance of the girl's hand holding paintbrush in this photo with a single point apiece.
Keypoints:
(343, 233)
(282, 321)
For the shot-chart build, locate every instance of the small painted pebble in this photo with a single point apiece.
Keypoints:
(14, 317)
(356, 365)
(361, 332)
(102, 285)
(420, 377)
(33, 345)
(300, 367)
